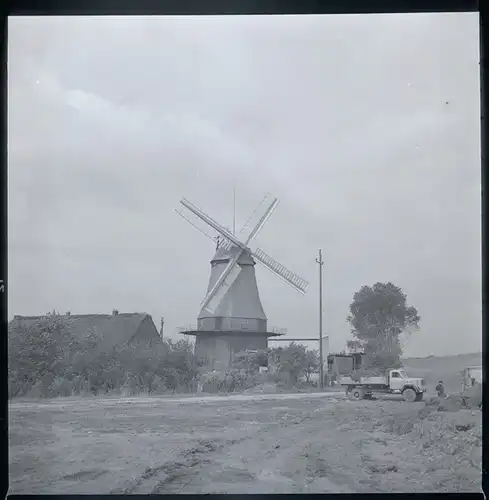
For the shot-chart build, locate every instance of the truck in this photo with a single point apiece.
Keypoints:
(469, 373)
(392, 382)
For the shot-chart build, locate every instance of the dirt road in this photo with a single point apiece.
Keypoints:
(242, 444)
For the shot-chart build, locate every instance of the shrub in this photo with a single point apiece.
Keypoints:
(46, 360)
(61, 387)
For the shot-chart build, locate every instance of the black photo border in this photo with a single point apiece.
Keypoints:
(231, 7)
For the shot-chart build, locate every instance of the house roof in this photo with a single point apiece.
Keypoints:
(116, 329)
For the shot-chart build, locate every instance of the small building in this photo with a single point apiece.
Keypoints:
(343, 364)
(114, 329)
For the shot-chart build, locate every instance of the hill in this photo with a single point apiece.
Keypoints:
(447, 368)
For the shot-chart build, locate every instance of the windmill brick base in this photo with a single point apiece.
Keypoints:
(216, 349)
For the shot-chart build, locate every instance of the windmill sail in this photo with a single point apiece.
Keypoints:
(195, 225)
(227, 278)
(222, 286)
(223, 282)
(246, 229)
(237, 249)
(209, 220)
(262, 221)
(232, 318)
(233, 270)
(281, 271)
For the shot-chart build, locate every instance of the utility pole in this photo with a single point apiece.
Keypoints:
(234, 211)
(321, 374)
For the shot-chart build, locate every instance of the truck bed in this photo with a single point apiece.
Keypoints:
(377, 381)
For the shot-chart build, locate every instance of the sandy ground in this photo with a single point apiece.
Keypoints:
(280, 443)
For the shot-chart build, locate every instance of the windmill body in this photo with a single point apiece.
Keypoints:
(232, 318)
(241, 307)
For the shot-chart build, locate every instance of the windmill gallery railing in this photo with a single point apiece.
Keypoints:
(243, 326)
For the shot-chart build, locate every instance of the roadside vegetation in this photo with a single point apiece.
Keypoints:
(47, 360)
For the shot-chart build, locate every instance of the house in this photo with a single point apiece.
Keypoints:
(114, 329)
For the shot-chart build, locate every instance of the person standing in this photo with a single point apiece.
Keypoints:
(440, 389)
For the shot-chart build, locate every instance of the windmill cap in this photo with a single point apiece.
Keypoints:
(223, 255)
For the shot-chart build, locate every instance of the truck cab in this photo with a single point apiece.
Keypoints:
(399, 379)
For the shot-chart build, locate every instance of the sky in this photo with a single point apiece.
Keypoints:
(366, 127)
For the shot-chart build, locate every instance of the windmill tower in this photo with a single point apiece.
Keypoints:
(232, 318)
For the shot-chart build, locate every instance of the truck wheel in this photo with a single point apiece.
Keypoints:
(357, 394)
(419, 396)
(409, 395)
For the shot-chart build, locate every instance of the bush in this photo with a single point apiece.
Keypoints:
(46, 360)
(233, 380)
(61, 387)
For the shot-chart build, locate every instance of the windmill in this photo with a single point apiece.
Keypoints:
(232, 302)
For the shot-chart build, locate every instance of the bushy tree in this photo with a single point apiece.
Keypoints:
(179, 366)
(379, 315)
(311, 364)
(295, 360)
(47, 359)
(250, 361)
(354, 346)
(40, 352)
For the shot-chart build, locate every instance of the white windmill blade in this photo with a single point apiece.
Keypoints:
(194, 225)
(224, 282)
(244, 229)
(228, 277)
(226, 244)
(228, 237)
(281, 271)
(220, 292)
(211, 222)
(262, 221)
(225, 232)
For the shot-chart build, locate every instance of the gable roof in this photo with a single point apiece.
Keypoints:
(116, 329)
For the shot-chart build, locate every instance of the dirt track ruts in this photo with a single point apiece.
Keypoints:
(265, 444)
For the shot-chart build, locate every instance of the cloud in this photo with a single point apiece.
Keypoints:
(343, 117)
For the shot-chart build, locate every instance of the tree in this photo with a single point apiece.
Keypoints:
(178, 366)
(354, 346)
(379, 315)
(290, 360)
(250, 361)
(311, 364)
(145, 366)
(48, 359)
(39, 353)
